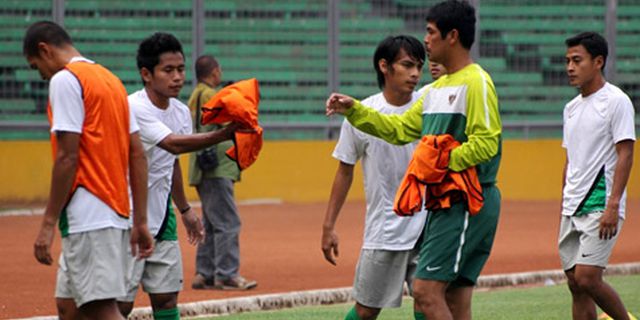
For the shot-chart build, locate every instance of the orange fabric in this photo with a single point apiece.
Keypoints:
(103, 155)
(429, 180)
(238, 103)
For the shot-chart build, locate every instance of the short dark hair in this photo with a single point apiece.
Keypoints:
(593, 42)
(455, 14)
(44, 31)
(152, 47)
(205, 65)
(390, 47)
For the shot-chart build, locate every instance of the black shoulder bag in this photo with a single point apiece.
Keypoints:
(206, 159)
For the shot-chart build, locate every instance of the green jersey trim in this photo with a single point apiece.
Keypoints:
(168, 229)
(63, 223)
(596, 197)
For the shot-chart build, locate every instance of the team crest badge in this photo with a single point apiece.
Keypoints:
(452, 98)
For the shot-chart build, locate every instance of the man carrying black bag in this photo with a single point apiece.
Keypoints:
(213, 174)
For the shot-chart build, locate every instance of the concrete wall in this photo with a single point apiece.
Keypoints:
(303, 171)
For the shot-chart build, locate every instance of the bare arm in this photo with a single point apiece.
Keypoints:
(63, 174)
(609, 220)
(141, 240)
(195, 230)
(340, 189)
(178, 144)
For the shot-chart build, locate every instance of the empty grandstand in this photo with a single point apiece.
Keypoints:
(286, 45)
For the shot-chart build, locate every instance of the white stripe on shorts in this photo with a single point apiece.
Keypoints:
(464, 231)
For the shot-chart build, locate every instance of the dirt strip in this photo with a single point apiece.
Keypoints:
(280, 248)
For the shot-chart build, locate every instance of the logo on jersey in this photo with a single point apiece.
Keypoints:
(452, 98)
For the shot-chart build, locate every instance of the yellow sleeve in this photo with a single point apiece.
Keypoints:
(393, 128)
(483, 128)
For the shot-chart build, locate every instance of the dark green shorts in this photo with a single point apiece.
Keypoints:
(455, 246)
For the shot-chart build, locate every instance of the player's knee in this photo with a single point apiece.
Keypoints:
(367, 313)
(587, 283)
(573, 286)
(67, 309)
(100, 309)
(164, 301)
(572, 283)
(424, 296)
(125, 308)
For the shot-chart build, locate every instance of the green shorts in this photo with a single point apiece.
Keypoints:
(455, 245)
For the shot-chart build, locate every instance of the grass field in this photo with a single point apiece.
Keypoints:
(549, 302)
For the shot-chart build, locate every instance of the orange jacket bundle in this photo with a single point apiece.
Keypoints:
(238, 102)
(428, 179)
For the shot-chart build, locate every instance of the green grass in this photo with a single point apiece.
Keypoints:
(551, 302)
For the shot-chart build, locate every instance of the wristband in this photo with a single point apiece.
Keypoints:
(183, 211)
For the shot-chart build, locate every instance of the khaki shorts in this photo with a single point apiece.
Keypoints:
(160, 273)
(92, 265)
(381, 275)
(579, 241)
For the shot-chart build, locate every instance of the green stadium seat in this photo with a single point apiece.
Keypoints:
(540, 11)
(17, 117)
(547, 25)
(17, 105)
(128, 23)
(493, 64)
(127, 5)
(25, 5)
(511, 78)
(541, 92)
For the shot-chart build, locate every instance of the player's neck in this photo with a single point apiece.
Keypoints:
(458, 60)
(65, 54)
(591, 87)
(396, 98)
(158, 100)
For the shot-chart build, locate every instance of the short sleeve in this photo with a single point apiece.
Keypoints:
(67, 106)
(564, 128)
(152, 130)
(133, 124)
(350, 146)
(622, 120)
(187, 122)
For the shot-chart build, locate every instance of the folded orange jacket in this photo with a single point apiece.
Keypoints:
(428, 180)
(238, 102)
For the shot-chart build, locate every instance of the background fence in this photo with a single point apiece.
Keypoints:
(302, 50)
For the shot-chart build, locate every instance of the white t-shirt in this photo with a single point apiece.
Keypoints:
(592, 127)
(384, 165)
(155, 125)
(85, 212)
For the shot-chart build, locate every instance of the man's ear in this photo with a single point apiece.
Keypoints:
(453, 36)
(599, 62)
(45, 51)
(146, 75)
(383, 65)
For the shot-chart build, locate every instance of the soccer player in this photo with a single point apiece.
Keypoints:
(598, 136)
(464, 104)
(437, 70)
(388, 256)
(165, 130)
(96, 150)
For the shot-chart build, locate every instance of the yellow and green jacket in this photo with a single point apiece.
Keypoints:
(463, 104)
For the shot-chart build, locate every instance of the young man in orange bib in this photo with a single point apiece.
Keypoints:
(97, 151)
